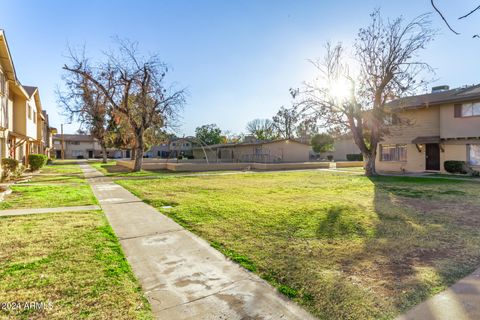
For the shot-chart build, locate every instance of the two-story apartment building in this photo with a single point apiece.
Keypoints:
(21, 115)
(432, 128)
(173, 148)
(82, 146)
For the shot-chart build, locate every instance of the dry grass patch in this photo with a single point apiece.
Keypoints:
(343, 245)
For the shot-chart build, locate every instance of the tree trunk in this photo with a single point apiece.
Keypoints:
(104, 154)
(369, 160)
(138, 153)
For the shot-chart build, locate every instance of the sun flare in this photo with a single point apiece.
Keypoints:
(340, 90)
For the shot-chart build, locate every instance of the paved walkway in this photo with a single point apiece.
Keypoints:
(459, 302)
(181, 275)
(18, 212)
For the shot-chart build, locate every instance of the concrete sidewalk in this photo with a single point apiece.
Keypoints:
(182, 276)
(459, 302)
(19, 212)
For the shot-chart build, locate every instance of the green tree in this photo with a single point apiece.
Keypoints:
(322, 142)
(209, 134)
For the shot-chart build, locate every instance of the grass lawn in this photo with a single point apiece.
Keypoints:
(353, 169)
(111, 169)
(56, 185)
(449, 175)
(73, 263)
(344, 246)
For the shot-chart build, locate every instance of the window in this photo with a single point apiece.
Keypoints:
(467, 110)
(34, 117)
(393, 152)
(474, 154)
(391, 119)
(3, 84)
(29, 112)
(74, 142)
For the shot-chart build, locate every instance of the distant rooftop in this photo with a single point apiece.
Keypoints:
(74, 137)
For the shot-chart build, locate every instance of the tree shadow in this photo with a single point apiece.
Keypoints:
(424, 240)
(417, 248)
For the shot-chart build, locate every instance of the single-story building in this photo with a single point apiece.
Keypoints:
(285, 150)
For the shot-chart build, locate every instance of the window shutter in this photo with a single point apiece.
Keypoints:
(457, 110)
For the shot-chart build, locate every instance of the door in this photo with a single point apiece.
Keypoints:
(90, 154)
(432, 156)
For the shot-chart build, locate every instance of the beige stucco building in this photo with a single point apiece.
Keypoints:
(260, 151)
(23, 127)
(342, 146)
(82, 146)
(429, 129)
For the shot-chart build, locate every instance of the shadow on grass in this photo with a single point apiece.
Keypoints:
(423, 240)
(422, 236)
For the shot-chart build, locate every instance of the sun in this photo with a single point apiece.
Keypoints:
(340, 90)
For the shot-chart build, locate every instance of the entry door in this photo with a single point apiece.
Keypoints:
(432, 156)
(90, 154)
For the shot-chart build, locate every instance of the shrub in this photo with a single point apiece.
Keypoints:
(190, 157)
(475, 173)
(455, 166)
(37, 161)
(355, 157)
(9, 166)
(18, 171)
(330, 157)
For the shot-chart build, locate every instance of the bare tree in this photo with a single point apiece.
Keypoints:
(445, 20)
(351, 94)
(83, 102)
(134, 86)
(306, 129)
(285, 122)
(262, 129)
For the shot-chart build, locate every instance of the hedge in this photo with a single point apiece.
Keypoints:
(36, 161)
(355, 157)
(455, 166)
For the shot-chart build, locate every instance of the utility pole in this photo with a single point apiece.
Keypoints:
(63, 140)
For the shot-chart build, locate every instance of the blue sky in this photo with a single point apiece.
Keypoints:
(237, 59)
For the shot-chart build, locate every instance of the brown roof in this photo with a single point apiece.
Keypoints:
(74, 137)
(426, 139)
(30, 90)
(432, 99)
